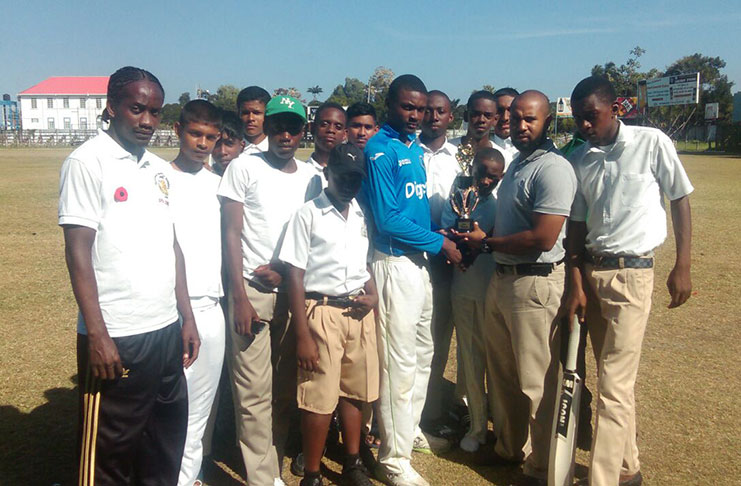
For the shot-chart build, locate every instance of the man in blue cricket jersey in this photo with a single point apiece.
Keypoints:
(395, 191)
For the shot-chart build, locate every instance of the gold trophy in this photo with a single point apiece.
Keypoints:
(464, 156)
(464, 198)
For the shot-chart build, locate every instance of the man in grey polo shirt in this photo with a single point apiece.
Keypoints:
(524, 294)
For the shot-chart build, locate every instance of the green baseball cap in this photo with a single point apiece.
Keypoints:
(285, 104)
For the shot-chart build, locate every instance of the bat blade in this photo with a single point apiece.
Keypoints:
(566, 419)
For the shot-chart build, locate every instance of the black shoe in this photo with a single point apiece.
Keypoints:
(297, 465)
(634, 480)
(354, 473)
(366, 455)
(312, 481)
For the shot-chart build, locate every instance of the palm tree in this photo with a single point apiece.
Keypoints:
(316, 90)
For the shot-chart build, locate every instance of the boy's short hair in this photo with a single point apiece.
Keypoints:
(437, 92)
(594, 85)
(231, 125)
(489, 153)
(506, 92)
(361, 108)
(326, 106)
(200, 111)
(480, 95)
(125, 76)
(252, 93)
(408, 82)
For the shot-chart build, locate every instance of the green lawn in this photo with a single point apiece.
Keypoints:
(689, 413)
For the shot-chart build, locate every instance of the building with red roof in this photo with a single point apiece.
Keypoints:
(64, 103)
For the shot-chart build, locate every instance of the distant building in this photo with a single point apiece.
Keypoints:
(68, 103)
(9, 117)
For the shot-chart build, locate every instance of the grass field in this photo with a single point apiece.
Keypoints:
(689, 411)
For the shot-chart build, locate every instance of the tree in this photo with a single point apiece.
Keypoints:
(289, 92)
(225, 97)
(489, 88)
(184, 98)
(352, 91)
(457, 109)
(625, 77)
(379, 82)
(315, 91)
(171, 113)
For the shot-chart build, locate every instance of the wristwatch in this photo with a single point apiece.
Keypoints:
(485, 248)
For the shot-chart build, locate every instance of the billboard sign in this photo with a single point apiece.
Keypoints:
(682, 89)
(711, 111)
(627, 107)
(563, 108)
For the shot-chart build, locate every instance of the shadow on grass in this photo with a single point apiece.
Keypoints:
(38, 447)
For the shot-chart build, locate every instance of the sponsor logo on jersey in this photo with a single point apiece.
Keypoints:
(404, 162)
(411, 189)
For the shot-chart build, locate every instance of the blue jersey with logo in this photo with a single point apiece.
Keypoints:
(396, 193)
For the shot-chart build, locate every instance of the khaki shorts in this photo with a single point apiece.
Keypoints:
(348, 360)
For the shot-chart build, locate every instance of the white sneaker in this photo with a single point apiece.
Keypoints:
(470, 443)
(278, 482)
(428, 444)
(408, 477)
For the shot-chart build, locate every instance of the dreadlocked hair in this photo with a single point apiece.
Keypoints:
(127, 75)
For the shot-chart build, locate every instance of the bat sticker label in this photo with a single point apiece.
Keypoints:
(564, 413)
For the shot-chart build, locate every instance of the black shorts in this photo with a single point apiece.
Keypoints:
(132, 429)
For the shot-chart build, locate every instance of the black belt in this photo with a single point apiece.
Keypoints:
(342, 301)
(614, 262)
(532, 269)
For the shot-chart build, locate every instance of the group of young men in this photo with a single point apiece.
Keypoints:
(343, 277)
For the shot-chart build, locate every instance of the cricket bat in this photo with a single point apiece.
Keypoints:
(565, 421)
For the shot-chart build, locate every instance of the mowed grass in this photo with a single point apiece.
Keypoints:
(689, 413)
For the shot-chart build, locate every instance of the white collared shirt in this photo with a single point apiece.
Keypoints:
(621, 187)
(442, 168)
(197, 215)
(270, 197)
(256, 148)
(331, 249)
(509, 151)
(126, 202)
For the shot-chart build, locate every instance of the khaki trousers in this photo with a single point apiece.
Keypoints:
(522, 351)
(263, 374)
(616, 327)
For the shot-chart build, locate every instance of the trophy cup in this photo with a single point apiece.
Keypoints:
(464, 198)
(464, 156)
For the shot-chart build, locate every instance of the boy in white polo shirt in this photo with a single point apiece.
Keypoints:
(251, 105)
(617, 221)
(328, 130)
(128, 277)
(260, 192)
(468, 294)
(332, 297)
(198, 225)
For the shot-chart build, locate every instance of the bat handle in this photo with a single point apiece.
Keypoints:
(574, 339)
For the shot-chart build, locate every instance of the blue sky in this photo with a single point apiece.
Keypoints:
(452, 46)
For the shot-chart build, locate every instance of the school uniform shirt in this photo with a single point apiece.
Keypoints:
(331, 249)
(505, 146)
(319, 182)
(396, 193)
(126, 202)
(442, 168)
(621, 187)
(473, 282)
(197, 213)
(256, 148)
(270, 197)
(543, 182)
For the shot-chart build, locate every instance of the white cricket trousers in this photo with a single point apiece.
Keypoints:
(203, 381)
(405, 352)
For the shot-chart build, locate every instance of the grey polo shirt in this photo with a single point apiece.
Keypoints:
(545, 183)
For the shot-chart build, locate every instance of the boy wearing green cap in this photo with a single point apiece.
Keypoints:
(259, 194)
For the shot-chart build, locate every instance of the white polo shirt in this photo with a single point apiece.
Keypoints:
(442, 168)
(620, 191)
(270, 197)
(197, 215)
(256, 148)
(505, 146)
(105, 188)
(331, 249)
(319, 182)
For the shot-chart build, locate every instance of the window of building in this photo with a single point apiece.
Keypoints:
(67, 123)
(99, 103)
(65, 102)
(50, 102)
(50, 123)
(82, 102)
(33, 103)
(34, 120)
(83, 123)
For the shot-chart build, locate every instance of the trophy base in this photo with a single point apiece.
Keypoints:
(464, 225)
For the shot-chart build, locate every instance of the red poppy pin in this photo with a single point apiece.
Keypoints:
(121, 194)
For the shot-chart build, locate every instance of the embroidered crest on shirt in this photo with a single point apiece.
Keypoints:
(163, 184)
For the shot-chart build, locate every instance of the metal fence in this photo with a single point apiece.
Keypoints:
(71, 138)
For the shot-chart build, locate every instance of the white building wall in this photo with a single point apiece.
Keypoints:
(38, 118)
